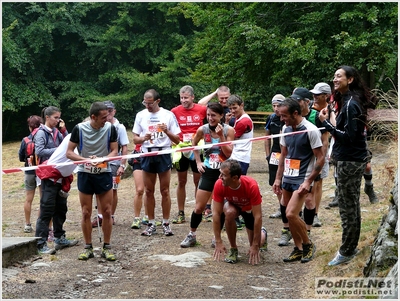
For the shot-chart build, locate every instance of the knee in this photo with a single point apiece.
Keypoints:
(230, 213)
(182, 182)
(165, 192)
(86, 214)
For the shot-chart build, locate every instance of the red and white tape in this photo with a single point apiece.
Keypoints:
(154, 153)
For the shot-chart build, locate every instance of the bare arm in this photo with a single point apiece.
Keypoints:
(305, 186)
(205, 100)
(254, 251)
(279, 174)
(267, 144)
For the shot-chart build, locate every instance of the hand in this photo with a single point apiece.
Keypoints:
(228, 117)
(162, 127)
(323, 114)
(276, 188)
(219, 130)
(61, 124)
(304, 188)
(96, 162)
(201, 167)
(254, 255)
(219, 252)
(267, 158)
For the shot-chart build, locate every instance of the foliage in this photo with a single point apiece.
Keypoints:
(70, 54)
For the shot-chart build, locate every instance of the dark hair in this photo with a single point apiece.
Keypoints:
(292, 105)
(34, 121)
(96, 107)
(234, 167)
(154, 93)
(48, 111)
(235, 99)
(358, 89)
(216, 107)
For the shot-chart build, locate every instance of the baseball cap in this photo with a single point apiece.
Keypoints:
(321, 88)
(278, 98)
(109, 104)
(301, 94)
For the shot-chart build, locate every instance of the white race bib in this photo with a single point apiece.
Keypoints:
(292, 168)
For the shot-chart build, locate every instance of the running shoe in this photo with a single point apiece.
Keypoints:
(50, 237)
(136, 223)
(264, 247)
(232, 256)
(277, 214)
(339, 259)
(285, 237)
(150, 230)
(106, 253)
(180, 219)
(189, 241)
(86, 254)
(96, 223)
(239, 225)
(46, 250)
(316, 222)
(296, 255)
(167, 229)
(145, 220)
(28, 228)
(62, 242)
(308, 252)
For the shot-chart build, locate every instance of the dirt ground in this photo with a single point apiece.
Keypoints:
(142, 271)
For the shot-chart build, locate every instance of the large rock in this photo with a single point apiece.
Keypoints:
(384, 253)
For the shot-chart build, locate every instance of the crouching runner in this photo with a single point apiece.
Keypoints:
(236, 195)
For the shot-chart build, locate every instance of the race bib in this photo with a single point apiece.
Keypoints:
(156, 132)
(215, 161)
(116, 181)
(187, 137)
(292, 168)
(274, 159)
(95, 169)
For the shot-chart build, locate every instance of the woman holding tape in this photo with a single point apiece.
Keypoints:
(212, 132)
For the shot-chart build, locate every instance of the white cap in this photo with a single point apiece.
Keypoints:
(321, 88)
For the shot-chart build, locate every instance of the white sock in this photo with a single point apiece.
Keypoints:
(165, 221)
(152, 221)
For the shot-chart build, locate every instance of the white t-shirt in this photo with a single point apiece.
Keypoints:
(146, 122)
(122, 138)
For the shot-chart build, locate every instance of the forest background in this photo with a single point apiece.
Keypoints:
(72, 54)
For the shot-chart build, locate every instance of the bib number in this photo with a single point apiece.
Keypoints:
(215, 161)
(274, 159)
(116, 181)
(187, 137)
(292, 168)
(95, 169)
(156, 132)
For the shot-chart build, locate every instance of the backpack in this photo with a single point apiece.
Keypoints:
(30, 156)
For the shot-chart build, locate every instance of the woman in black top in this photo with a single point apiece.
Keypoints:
(349, 152)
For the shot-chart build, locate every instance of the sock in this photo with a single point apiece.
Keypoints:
(146, 216)
(309, 216)
(195, 220)
(89, 246)
(193, 233)
(368, 178)
(165, 221)
(283, 212)
(152, 221)
(286, 228)
(106, 245)
(208, 206)
(100, 215)
(181, 212)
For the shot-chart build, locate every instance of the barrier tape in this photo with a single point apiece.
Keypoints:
(155, 153)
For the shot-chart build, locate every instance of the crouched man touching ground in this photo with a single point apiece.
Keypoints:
(236, 195)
